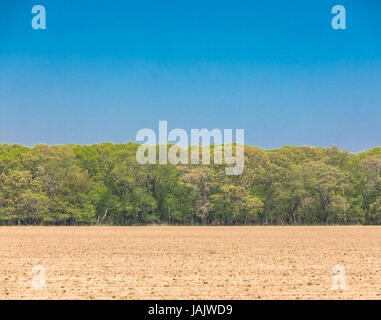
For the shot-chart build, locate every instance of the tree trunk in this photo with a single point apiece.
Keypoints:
(104, 216)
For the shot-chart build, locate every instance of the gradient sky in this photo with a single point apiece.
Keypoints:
(102, 70)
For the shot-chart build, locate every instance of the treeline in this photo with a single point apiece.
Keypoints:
(104, 184)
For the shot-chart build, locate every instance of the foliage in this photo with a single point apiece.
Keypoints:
(103, 184)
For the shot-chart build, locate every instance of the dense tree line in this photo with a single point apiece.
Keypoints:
(104, 184)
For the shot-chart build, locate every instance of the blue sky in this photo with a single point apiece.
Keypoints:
(102, 70)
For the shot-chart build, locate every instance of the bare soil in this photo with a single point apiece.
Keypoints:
(190, 262)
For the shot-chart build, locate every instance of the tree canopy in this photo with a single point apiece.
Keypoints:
(104, 184)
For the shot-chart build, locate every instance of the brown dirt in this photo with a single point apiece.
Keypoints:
(190, 262)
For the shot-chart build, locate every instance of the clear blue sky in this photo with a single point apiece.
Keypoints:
(105, 69)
